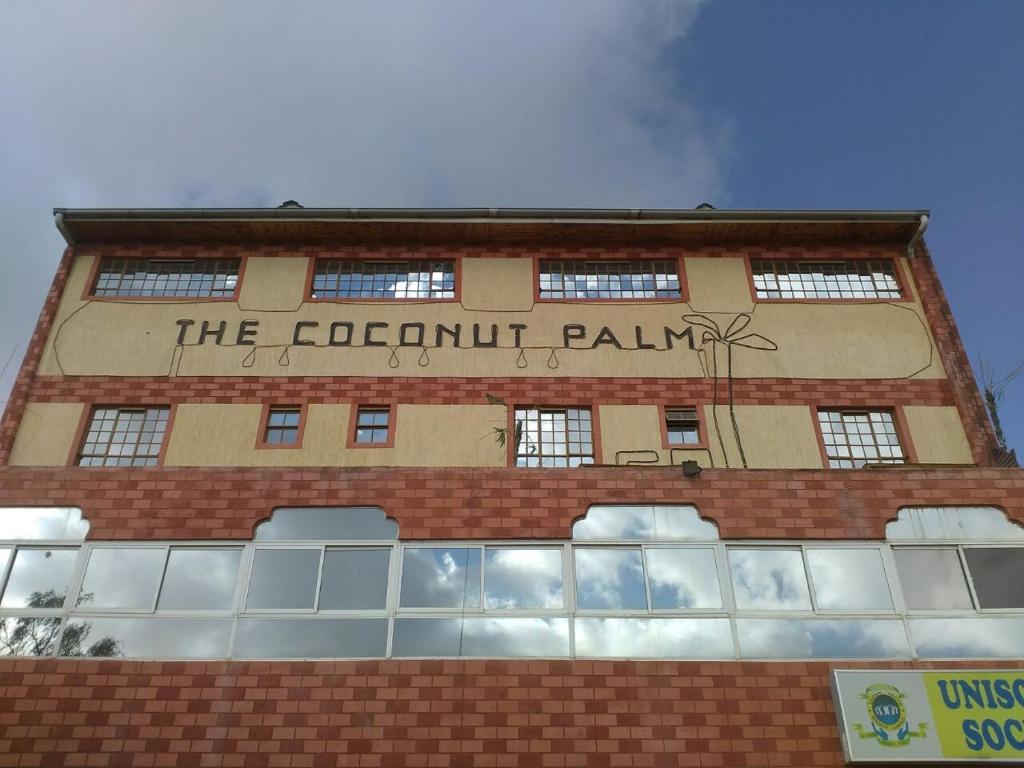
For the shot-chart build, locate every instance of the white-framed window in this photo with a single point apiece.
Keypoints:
(155, 278)
(553, 437)
(124, 436)
(382, 280)
(574, 280)
(634, 582)
(856, 437)
(825, 280)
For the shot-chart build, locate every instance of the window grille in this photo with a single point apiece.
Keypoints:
(373, 425)
(553, 437)
(349, 279)
(855, 438)
(124, 437)
(198, 278)
(580, 280)
(826, 280)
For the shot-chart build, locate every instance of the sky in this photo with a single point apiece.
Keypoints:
(580, 103)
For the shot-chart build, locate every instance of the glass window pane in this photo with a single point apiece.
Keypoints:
(122, 578)
(39, 578)
(311, 638)
(520, 578)
(354, 579)
(610, 578)
(439, 577)
(200, 579)
(968, 637)
(662, 522)
(480, 636)
(683, 578)
(22, 636)
(42, 523)
(932, 579)
(283, 579)
(998, 575)
(654, 638)
(327, 524)
(769, 579)
(822, 638)
(160, 638)
(849, 579)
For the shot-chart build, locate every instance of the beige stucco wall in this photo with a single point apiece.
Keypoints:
(857, 340)
(425, 435)
(46, 434)
(938, 434)
(773, 437)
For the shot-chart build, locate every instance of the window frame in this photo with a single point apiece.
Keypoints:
(903, 281)
(678, 259)
(385, 259)
(86, 420)
(702, 432)
(353, 424)
(899, 423)
(88, 292)
(262, 429)
(595, 431)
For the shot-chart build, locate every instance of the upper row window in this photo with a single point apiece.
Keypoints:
(347, 279)
(825, 280)
(197, 278)
(427, 279)
(581, 280)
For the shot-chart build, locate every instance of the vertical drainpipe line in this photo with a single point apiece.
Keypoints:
(917, 235)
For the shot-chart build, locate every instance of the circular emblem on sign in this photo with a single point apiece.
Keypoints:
(885, 707)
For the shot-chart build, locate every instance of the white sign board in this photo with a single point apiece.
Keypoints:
(897, 716)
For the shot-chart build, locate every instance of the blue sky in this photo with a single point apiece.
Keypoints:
(907, 104)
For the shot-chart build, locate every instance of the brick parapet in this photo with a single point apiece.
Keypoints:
(382, 714)
(207, 503)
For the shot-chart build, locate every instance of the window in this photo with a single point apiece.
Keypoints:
(124, 437)
(962, 578)
(372, 426)
(199, 278)
(583, 280)
(855, 438)
(553, 437)
(351, 279)
(682, 427)
(825, 280)
(282, 427)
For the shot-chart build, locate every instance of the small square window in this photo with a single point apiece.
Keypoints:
(282, 426)
(682, 427)
(373, 425)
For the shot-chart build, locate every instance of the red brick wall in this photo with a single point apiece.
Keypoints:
(421, 713)
(173, 503)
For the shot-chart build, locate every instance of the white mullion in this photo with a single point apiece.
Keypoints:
(967, 577)
(809, 579)
(647, 583)
(319, 579)
(160, 581)
(569, 594)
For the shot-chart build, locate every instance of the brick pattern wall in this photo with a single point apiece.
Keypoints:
(461, 390)
(980, 433)
(194, 503)
(22, 389)
(420, 713)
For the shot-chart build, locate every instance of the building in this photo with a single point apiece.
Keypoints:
(298, 487)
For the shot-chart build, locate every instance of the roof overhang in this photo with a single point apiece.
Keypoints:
(84, 226)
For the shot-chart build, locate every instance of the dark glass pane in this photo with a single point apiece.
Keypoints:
(311, 638)
(998, 575)
(283, 579)
(354, 579)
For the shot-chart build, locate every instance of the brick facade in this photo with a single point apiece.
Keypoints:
(57, 712)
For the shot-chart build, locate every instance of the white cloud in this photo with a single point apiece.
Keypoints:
(337, 104)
